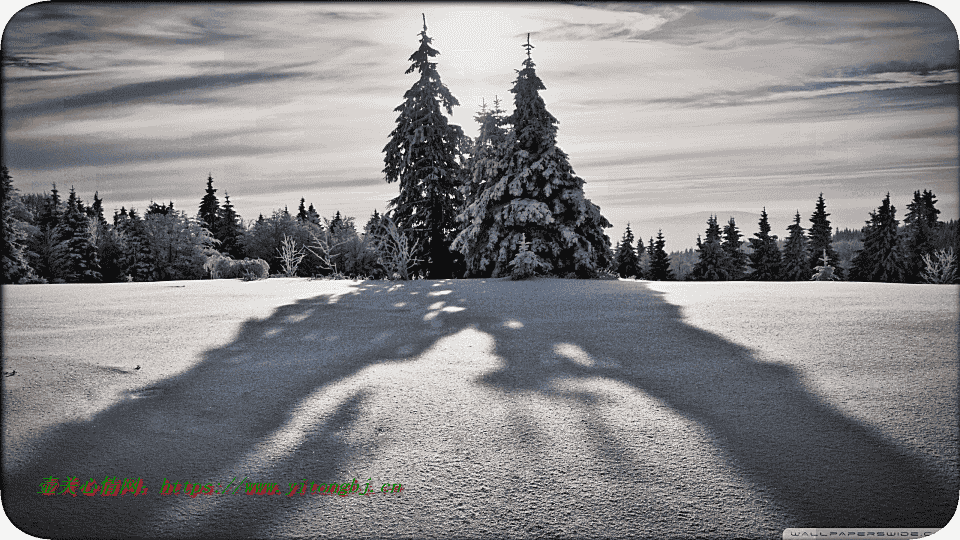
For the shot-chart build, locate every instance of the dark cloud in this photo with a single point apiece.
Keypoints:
(31, 62)
(895, 66)
(346, 16)
(51, 77)
(174, 90)
(68, 152)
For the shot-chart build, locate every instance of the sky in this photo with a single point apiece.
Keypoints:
(669, 112)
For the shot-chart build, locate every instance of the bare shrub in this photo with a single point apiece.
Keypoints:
(940, 266)
(290, 256)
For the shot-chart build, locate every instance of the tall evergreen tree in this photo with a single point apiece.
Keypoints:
(659, 261)
(627, 263)
(766, 258)
(302, 210)
(881, 258)
(736, 258)
(137, 258)
(821, 235)
(487, 163)
(423, 156)
(712, 263)
(920, 227)
(15, 265)
(313, 216)
(539, 198)
(796, 256)
(209, 207)
(81, 263)
(229, 230)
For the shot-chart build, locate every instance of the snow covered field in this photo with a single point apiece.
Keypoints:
(521, 409)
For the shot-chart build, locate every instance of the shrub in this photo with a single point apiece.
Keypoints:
(223, 267)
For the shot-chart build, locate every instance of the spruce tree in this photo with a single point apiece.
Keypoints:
(538, 198)
(229, 230)
(209, 207)
(796, 256)
(422, 156)
(881, 258)
(314, 217)
(81, 263)
(712, 263)
(302, 211)
(15, 265)
(736, 258)
(659, 261)
(920, 227)
(821, 235)
(627, 264)
(766, 258)
(486, 164)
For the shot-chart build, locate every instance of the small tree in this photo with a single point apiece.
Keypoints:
(824, 272)
(290, 255)
(940, 266)
(395, 252)
(526, 264)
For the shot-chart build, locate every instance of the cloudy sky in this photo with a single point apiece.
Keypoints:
(669, 112)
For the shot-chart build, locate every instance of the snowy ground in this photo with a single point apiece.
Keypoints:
(516, 409)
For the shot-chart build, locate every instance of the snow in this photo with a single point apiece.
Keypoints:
(520, 409)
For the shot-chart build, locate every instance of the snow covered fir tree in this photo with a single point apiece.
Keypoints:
(423, 156)
(528, 192)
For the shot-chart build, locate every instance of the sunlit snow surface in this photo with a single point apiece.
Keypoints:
(522, 409)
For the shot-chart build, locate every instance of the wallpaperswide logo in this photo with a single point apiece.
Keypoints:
(879, 532)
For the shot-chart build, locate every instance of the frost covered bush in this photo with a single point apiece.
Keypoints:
(940, 267)
(526, 264)
(224, 267)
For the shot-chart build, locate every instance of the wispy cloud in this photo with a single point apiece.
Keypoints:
(685, 107)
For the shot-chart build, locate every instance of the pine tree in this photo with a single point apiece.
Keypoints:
(302, 210)
(627, 264)
(209, 207)
(920, 226)
(881, 258)
(796, 256)
(539, 198)
(766, 258)
(81, 263)
(736, 258)
(15, 265)
(314, 217)
(487, 163)
(659, 261)
(820, 239)
(373, 224)
(229, 230)
(712, 263)
(423, 156)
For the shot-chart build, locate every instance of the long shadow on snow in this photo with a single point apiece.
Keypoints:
(228, 416)
(826, 469)
(222, 417)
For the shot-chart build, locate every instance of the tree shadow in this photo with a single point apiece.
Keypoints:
(824, 468)
(248, 410)
(280, 403)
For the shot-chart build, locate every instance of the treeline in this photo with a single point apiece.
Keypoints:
(50, 240)
(921, 250)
